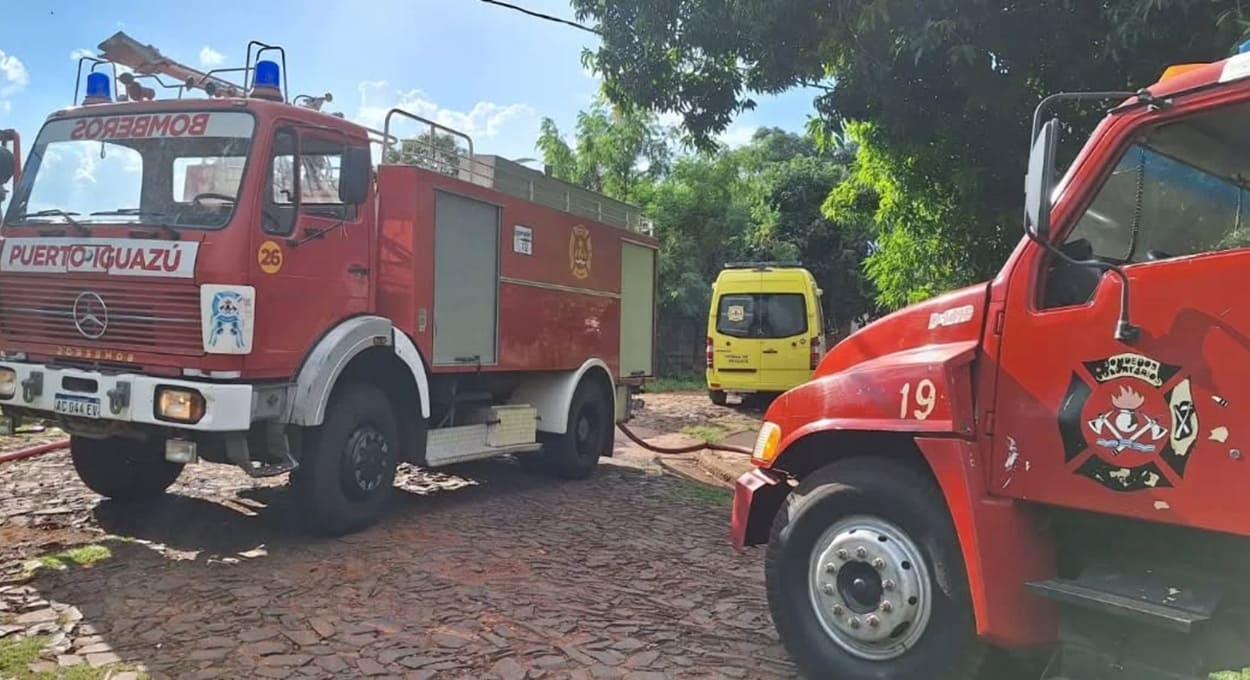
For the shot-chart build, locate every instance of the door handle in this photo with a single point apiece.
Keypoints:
(770, 351)
(357, 269)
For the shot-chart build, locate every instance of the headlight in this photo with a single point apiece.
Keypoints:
(766, 444)
(8, 383)
(179, 404)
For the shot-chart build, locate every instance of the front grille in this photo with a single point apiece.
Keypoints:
(142, 317)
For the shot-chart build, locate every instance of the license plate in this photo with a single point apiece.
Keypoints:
(73, 405)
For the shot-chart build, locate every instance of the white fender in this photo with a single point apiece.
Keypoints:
(551, 394)
(405, 349)
(332, 354)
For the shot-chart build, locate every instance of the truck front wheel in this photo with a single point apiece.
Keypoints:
(865, 578)
(347, 470)
(123, 469)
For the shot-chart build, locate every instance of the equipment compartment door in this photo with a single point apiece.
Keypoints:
(466, 280)
(637, 308)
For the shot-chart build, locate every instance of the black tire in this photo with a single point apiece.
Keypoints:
(718, 397)
(123, 469)
(588, 437)
(347, 469)
(948, 647)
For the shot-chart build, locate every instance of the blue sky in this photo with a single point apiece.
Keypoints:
(491, 72)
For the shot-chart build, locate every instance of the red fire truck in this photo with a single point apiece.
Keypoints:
(1034, 463)
(231, 279)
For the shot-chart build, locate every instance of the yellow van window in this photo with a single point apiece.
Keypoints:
(780, 315)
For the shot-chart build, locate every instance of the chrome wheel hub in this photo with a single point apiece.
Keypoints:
(870, 587)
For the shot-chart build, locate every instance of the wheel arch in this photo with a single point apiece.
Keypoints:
(372, 340)
(551, 393)
(1002, 543)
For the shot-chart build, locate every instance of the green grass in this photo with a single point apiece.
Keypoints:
(82, 556)
(1243, 674)
(703, 494)
(691, 382)
(709, 433)
(16, 656)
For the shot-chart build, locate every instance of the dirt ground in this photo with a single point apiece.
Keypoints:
(487, 572)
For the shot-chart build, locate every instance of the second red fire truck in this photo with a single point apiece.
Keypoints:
(232, 279)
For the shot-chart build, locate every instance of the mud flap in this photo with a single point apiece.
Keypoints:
(758, 496)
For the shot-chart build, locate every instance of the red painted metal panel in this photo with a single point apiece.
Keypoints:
(1003, 547)
(921, 390)
(543, 330)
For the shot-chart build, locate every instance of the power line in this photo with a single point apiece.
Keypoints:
(540, 15)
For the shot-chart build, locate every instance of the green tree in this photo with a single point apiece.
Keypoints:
(948, 87)
(787, 179)
(618, 153)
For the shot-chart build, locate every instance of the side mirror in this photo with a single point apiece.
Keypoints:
(1037, 183)
(8, 165)
(354, 175)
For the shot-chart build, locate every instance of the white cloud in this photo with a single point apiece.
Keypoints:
(13, 75)
(484, 120)
(211, 57)
(13, 79)
(85, 172)
(669, 119)
(737, 135)
(80, 53)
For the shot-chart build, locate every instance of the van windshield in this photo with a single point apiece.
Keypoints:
(178, 169)
(762, 315)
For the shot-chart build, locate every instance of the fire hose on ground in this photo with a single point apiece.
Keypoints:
(35, 450)
(49, 447)
(678, 450)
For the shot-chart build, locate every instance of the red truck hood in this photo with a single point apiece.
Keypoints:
(954, 317)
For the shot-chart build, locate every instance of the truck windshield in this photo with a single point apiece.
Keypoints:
(173, 169)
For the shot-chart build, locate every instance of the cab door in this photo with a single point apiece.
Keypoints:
(1154, 427)
(311, 264)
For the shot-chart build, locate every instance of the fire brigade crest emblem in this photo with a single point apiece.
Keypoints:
(1129, 422)
(226, 319)
(580, 252)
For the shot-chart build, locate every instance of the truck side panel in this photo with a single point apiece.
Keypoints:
(560, 274)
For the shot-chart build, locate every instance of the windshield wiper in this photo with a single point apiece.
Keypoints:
(141, 213)
(57, 212)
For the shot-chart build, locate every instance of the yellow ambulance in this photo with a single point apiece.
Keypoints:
(764, 329)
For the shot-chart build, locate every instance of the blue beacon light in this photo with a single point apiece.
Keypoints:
(1243, 47)
(98, 89)
(268, 82)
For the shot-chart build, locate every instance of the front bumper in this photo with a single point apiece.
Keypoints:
(127, 397)
(758, 495)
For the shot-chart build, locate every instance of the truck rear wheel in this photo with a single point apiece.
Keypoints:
(576, 453)
(865, 577)
(347, 470)
(718, 397)
(123, 469)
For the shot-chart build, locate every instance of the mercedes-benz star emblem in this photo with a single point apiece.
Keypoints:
(91, 316)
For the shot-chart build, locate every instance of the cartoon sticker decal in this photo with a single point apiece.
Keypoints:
(579, 252)
(227, 315)
(1132, 419)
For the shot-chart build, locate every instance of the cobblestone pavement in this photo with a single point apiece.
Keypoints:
(487, 573)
